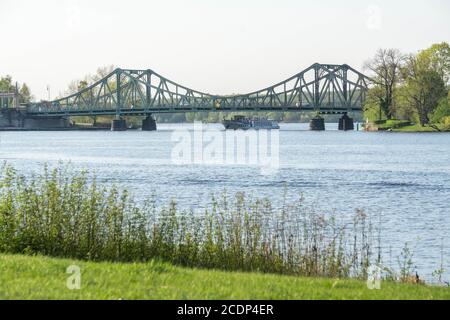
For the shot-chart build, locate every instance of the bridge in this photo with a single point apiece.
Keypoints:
(320, 88)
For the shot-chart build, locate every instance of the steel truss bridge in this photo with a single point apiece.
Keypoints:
(323, 88)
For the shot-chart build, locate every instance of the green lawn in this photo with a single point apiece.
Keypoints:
(418, 128)
(406, 126)
(24, 277)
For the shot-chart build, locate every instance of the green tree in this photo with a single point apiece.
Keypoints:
(442, 111)
(25, 94)
(6, 84)
(83, 84)
(385, 68)
(404, 109)
(438, 59)
(426, 76)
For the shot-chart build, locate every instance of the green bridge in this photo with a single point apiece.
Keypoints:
(321, 88)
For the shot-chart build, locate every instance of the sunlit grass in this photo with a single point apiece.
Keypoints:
(25, 277)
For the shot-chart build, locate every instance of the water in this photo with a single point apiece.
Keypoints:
(403, 176)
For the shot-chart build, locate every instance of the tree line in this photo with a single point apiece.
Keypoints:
(412, 87)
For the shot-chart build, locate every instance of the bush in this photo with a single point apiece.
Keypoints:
(446, 122)
(398, 123)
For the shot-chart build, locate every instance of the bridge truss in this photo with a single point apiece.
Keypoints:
(323, 88)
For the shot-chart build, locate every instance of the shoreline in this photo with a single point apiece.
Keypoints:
(371, 128)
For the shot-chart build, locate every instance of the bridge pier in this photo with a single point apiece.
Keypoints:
(149, 123)
(346, 123)
(317, 123)
(118, 125)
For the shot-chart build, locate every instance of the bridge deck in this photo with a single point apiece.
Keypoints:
(147, 111)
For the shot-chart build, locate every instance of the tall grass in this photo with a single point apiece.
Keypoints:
(65, 214)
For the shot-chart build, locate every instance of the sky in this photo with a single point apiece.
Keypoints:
(215, 46)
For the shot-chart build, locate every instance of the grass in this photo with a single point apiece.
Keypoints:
(38, 277)
(407, 126)
(419, 128)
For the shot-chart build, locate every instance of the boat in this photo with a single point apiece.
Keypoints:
(240, 122)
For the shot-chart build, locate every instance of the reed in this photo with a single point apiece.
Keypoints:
(69, 214)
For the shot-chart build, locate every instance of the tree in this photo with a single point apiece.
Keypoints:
(6, 84)
(442, 111)
(72, 88)
(385, 66)
(426, 76)
(102, 72)
(25, 94)
(83, 84)
(438, 59)
(78, 85)
(403, 108)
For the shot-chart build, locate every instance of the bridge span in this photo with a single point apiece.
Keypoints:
(320, 88)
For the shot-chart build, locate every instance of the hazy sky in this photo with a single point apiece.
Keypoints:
(222, 47)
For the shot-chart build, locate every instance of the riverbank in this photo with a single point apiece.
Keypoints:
(405, 126)
(418, 128)
(39, 277)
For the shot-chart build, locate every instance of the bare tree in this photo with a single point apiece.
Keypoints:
(77, 85)
(102, 72)
(385, 66)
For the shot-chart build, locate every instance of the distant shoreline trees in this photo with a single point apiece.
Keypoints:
(413, 87)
